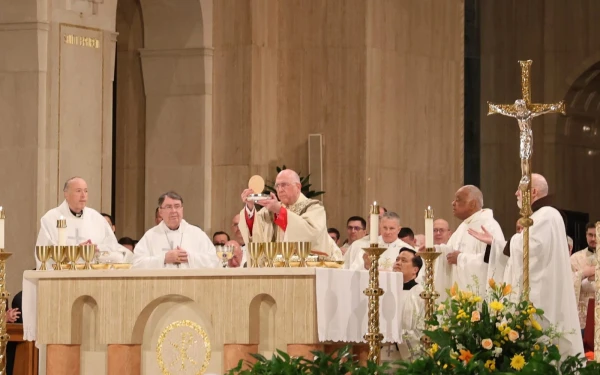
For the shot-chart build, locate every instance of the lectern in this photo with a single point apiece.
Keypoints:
(171, 321)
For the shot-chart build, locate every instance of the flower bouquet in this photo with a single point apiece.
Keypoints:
(472, 335)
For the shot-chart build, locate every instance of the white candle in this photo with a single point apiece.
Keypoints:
(61, 224)
(1, 228)
(374, 225)
(428, 228)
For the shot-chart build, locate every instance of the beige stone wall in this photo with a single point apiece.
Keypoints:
(560, 38)
(373, 77)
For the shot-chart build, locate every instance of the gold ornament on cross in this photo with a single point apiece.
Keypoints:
(524, 111)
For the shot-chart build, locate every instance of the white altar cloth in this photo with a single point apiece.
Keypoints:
(342, 307)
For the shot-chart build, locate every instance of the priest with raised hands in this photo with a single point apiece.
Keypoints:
(389, 227)
(287, 217)
(465, 260)
(551, 283)
(84, 225)
(174, 243)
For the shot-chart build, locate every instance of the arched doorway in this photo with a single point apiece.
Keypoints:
(163, 101)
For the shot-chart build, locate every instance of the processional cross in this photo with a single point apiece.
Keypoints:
(524, 111)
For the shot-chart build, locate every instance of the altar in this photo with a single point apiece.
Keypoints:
(197, 321)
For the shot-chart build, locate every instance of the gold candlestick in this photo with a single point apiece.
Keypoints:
(373, 336)
(597, 309)
(429, 293)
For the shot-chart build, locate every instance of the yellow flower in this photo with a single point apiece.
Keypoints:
(517, 362)
(513, 335)
(490, 364)
(475, 316)
(536, 347)
(477, 299)
(434, 348)
(465, 295)
(535, 324)
(487, 344)
(506, 290)
(496, 305)
(492, 283)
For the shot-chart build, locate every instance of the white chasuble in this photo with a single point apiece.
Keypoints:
(386, 260)
(306, 222)
(151, 250)
(90, 225)
(584, 288)
(550, 278)
(472, 262)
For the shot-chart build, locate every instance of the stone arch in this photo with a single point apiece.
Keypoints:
(137, 335)
(84, 321)
(263, 311)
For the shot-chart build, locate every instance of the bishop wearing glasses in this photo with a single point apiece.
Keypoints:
(174, 243)
(287, 217)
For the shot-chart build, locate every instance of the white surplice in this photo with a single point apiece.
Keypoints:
(151, 250)
(386, 260)
(470, 264)
(550, 278)
(91, 225)
(306, 222)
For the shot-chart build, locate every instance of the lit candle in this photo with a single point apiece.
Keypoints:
(61, 224)
(1, 228)
(374, 227)
(429, 228)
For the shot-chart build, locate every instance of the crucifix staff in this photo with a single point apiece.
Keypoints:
(524, 111)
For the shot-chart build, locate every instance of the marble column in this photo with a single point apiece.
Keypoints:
(124, 359)
(63, 359)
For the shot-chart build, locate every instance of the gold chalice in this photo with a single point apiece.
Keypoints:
(270, 252)
(303, 251)
(87, 253)
(287, 250)
(256, 250)
(73, 253)
(43, 253)
(58, 255)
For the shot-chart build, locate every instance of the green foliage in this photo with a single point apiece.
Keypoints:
(339, 363)
(304, 181)
(492, 336)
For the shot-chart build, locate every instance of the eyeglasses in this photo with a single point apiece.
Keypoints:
(282, 185)
(439, 230)
(176, 207)
(355, 229)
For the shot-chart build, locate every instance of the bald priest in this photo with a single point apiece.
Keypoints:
(84, 225)
(291, 218)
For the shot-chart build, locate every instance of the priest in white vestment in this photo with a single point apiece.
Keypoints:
(287, 217)
(174, 243)
(550, 278)
(583, 267)
(389, 227)
(84, 225)
(465, 260)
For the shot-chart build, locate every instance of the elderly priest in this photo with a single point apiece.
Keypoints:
(84, 225)
(174, 243)
(291, 218)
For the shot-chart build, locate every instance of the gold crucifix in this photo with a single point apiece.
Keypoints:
(524, 111)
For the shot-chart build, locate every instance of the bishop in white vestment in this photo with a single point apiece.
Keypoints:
(550, 278)
(583, 266)
(174, 243)
(289, 217)
(465, 260)
(389, 227)
(84, 225)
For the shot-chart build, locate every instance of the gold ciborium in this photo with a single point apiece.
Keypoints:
(256, 250)
(270, 252)
(73, 253)
(287, 249)
(43, 254)
(58, 255)
(303, 251)
(87, 254)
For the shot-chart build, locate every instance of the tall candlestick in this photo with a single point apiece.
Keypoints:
(374, 227)
(1, 228)
(61, 224)
(429, 228)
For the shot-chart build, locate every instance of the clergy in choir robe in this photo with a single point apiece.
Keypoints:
(84, 225)
(291, 218)
(465, 260)
(389, 227)
(174, 243)
(583, 267)
(550, 278)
